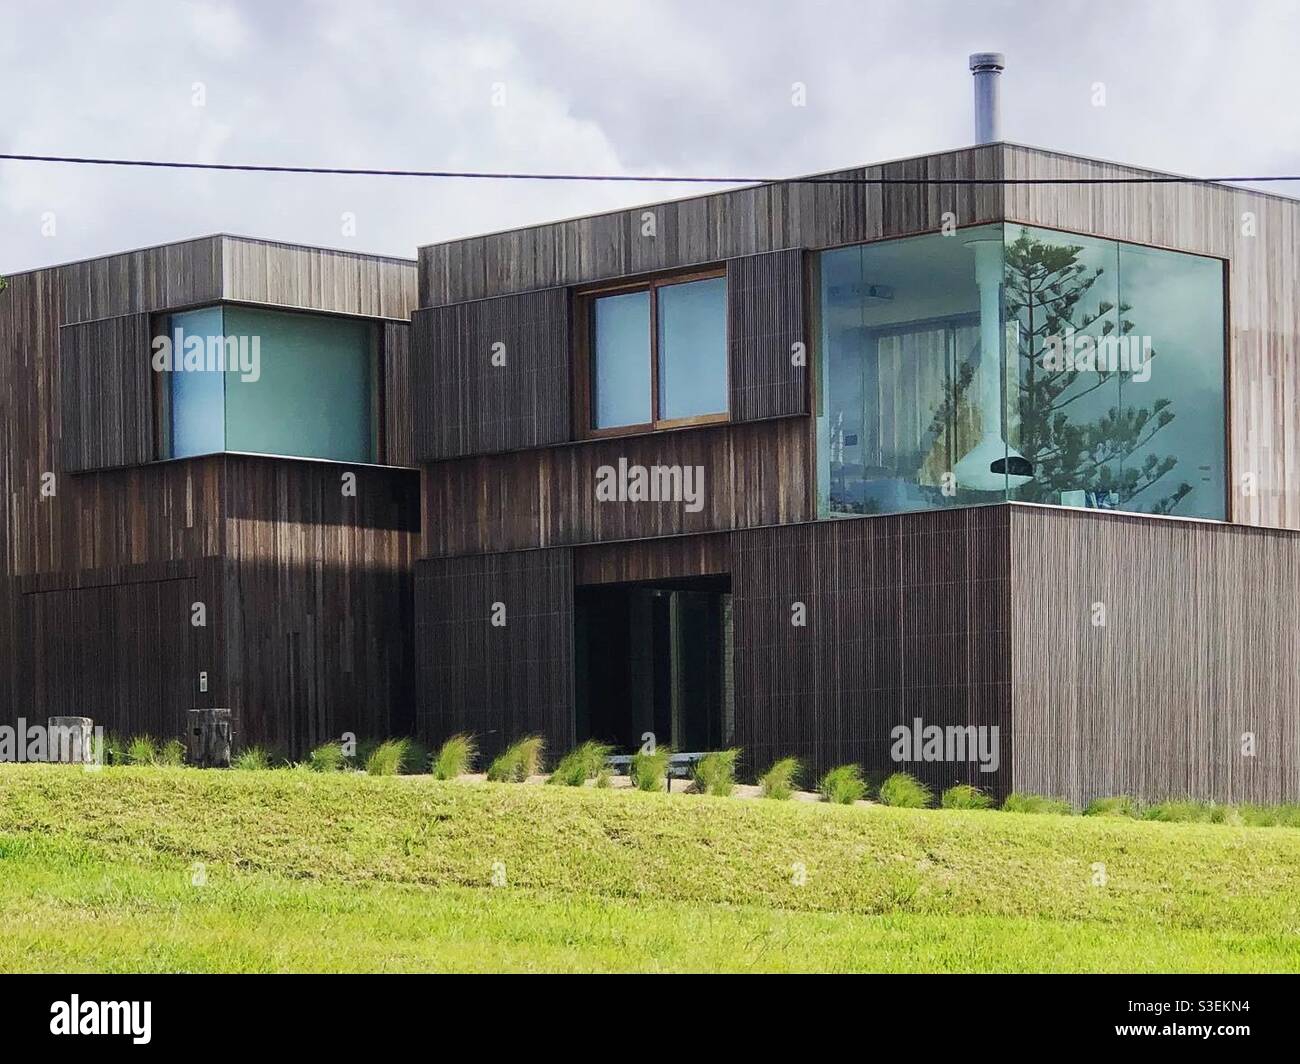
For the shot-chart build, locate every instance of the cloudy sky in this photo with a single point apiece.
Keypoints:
(607, 86)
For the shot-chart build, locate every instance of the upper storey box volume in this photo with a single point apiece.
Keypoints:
(1104, 346)
(228, 345)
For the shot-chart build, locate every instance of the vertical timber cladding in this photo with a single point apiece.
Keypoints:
(9, 700)
(119, 645)
(319, 616)
(308, 278)
(754, 474)
(29, 444)
(319, 624)
(492, 375)
(905, 617)
(494, 647)
(768, 349)
(1146, 650)
(128, 543)
(398, 431)
(1258, 234)
(106, 393)
(666, 558)
(144, 281)
(717, 227)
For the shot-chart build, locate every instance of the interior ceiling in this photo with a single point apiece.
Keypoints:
(929, 276)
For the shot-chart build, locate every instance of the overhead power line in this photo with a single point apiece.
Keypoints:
(488, 175)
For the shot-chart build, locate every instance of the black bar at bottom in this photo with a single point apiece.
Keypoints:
(340, 1012)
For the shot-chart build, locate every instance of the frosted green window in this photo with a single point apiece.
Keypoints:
(270, 382)
(198, 394)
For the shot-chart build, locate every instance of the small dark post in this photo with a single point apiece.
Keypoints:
(68, 740)
(208, 738)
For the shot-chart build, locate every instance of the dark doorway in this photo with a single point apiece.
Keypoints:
(655, 657)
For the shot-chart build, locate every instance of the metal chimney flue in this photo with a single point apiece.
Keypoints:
(986, 68)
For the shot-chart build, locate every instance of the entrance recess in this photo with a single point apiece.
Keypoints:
(655, 657)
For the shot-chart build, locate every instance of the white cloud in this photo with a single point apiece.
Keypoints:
(684, 86)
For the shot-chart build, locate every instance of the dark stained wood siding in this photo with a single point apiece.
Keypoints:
(120, 654)
(765, 320)
(399, 430)
(309, 607)
(319, 584)
(1201, 644)
(118, 645)
(106, 393)
(754, 474)
(907, 617)
(466, 405)
(713, 228)
(10, 698)
(321, 599)
(500, 683)
(29, 437)
(141, 282)
(129, 516)
(671, 557)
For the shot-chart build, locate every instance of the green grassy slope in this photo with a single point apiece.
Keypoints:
(347, 872)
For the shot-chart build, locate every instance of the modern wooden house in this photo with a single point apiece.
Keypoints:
(1099, 558)
(788, 467)
(189, 537)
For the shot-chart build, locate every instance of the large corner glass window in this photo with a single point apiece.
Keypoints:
(1014, 363)
(271, 382)
(1118, 355)
(909, 405)
(657, 354)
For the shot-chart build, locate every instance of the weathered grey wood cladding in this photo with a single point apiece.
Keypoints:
(713, 228)
(144, 281)
(212, 268)
(492, 375)
(1145, 652)
(335, 282)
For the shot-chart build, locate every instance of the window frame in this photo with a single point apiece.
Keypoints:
(160, 324)
(585, 353)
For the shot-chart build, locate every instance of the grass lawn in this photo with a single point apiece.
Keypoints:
(299, 871)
